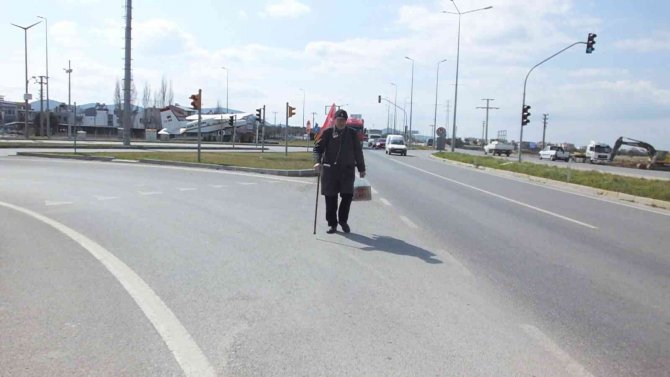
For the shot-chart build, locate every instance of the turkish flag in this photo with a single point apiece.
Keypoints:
(330, 120)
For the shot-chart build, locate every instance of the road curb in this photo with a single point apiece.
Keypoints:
(656, 203)
(284, 173)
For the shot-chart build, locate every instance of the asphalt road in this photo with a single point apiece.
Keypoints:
(125, 269)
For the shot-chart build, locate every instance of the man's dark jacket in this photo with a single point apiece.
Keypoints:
(342, 154)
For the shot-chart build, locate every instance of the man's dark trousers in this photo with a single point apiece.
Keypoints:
(332, 212)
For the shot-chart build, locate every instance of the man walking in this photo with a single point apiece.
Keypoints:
(338, 153)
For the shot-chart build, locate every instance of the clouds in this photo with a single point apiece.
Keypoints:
(286, 9)
(658, 41)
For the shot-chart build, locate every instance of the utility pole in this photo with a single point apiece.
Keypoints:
(41, 82)
(488, 107)
(263, 132)
(199, 121)
(446, 122)
(544, 130)
(126, 80)
(275, 113)
(46, 35)
(69, 92)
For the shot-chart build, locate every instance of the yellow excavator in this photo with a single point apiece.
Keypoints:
(658, 160)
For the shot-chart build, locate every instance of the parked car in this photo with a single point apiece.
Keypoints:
(553, 153)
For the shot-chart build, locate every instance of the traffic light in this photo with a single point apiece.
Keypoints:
(525, 114)
(290, 111)
(231, 121)
(259, 114)
(196, 101)
(379, 99)
(590, 42)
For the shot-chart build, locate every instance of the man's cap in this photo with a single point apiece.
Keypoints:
(341, 114)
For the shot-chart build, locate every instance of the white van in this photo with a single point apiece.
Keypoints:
(396, 144)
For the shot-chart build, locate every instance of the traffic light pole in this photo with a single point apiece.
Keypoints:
(199, 119)
(263, 132)
(523, 106)
(286, 132)
(234, 133)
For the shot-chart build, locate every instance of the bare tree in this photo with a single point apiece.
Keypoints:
(170, 95)
(219, 110)
(161, 94)
(118, 103)
(134, 108)
(146, 101)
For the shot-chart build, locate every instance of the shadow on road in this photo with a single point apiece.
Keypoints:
(393, 246)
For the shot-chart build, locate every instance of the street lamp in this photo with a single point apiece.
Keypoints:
(68, 70)
(46, 35)
(437, 81)
(411, 102)
(395, 109)
(303, 115)
(458, 52)
(227, 108)
(26, 96)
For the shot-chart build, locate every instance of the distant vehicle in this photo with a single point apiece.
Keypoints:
(357, 123)
(598, 152)
(396, 144)
(380, 143)
(499, 148)
(372, 141)
(554, 153)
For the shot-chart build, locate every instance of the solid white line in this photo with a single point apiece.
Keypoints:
(49, 203)
(246, 183)
(149, 192)
(386, 202)
(102, 198)
(189, 356)
(499, 196)
(220, 186)
(408, 222)
(572, 367)
(186, 189)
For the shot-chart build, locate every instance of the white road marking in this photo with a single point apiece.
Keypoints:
(499, 196)
(187, 353)
(220, 186)
(565, 191)
(103, 198)
(572, 367)
(246, 183)
(50, 203)
(408, 222)
(186, 189)
(386, 202)
(149, 192)
(374, 192)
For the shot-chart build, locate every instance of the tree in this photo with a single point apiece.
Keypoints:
(162, 93)
(219, 110)
(170, 95)
(146, 101)
(118, 103)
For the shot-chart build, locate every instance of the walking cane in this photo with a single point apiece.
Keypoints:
(316, 205)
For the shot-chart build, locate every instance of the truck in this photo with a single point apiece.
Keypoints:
(554, 152)
(598, 152)
(497, 147)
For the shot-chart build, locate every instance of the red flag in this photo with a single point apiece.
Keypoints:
(330, 120)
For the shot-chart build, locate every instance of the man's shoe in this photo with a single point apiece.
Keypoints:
(345, 228)
(333, 229)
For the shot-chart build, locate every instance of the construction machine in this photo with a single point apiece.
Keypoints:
(658, 160)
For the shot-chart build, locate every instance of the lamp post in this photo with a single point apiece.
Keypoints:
(395, 109)
(411, 102)
(458, 53)
(68, 70)
(437, 82)
(26, 95)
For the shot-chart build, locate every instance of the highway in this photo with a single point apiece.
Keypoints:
(126, 269)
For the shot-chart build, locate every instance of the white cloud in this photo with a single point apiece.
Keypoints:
(286, 9)
(243, 15)
(660, 41)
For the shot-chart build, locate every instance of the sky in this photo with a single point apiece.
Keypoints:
(348, 52)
